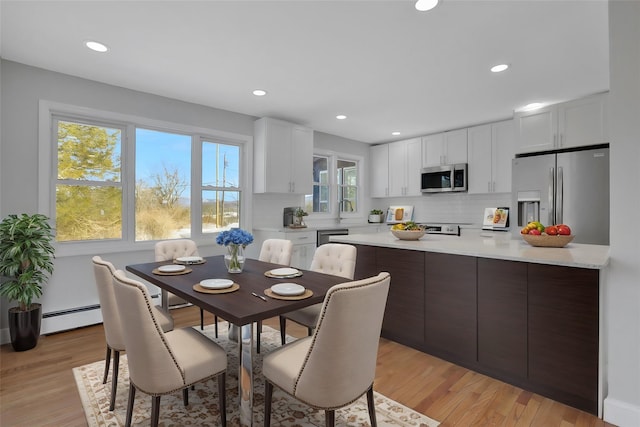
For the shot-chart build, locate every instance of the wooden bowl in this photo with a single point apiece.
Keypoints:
(546, 241)
(408, 234)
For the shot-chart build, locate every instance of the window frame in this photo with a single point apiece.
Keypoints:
(47, 165)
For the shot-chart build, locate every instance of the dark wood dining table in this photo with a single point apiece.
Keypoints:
(240, 308)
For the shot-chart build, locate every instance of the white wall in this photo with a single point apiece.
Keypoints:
(622, 287)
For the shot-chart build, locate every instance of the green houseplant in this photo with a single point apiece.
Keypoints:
(376, 216)
(26, 262)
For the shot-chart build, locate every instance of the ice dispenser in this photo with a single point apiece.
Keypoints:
(528, 207)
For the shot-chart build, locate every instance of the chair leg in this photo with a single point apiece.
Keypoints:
(222, 395)
(329, 418)
(114, 379)
(283, 326)
(201, 319)
(132, 398)
(155, 411)
(268, 392)
(309, 331)
(372, 407)
(215, 323)
(185, 396)
(107, 361)
(258, 332)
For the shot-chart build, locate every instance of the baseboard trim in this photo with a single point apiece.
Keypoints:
(620, 413)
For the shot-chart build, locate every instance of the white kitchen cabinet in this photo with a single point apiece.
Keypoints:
(379, 174)
(404, 167)
(491, 149)
(283, 157)
(304, 244)
(445, 148)
(570, 124)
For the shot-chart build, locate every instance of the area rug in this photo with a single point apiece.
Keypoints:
(203, 407)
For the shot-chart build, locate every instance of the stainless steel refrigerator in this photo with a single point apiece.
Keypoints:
(564, 188)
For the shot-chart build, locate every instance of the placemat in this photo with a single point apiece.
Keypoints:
(307, 293)
(175, 261)
(268, 274)
(171, 273)
(198, 288)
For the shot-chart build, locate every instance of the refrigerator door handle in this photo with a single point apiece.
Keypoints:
(560, 197)
(552, 211)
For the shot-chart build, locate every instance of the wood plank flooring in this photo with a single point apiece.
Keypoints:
(37, 387)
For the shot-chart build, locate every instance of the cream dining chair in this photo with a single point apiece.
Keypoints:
(103, 271)
(168, 250)
(161, 363)
(275, 251)
(331, 258)
(337, 364)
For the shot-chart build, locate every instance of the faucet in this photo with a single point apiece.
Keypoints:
(347, 204)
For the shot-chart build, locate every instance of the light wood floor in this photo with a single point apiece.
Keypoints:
(37, 387)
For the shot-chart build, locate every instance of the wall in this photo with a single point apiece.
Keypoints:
(622, 287)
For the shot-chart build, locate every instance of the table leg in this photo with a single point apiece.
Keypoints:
(245, 375)
(164, 295)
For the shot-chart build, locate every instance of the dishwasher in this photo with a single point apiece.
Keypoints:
(323, 235)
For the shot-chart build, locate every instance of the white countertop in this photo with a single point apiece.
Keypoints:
(490, 244)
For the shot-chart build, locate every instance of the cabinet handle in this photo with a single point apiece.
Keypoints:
(561, 139)
(555, 140)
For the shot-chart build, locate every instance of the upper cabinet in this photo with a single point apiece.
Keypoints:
(570, 124)
(283, 157)
(491, 149)
(396, 168)
(445, 148)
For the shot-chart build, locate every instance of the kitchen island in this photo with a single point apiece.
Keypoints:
(526, 315)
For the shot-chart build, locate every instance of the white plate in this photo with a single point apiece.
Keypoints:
(288, 289)
(171, 268)
(189, 259)
(216, 283)
(284, 271)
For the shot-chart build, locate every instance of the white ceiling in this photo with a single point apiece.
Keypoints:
(382, 63)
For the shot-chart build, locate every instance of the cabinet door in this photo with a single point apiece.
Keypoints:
(405, 310)
(397, 168)
(432, 146)
(480, 160)
(451, 307)
(502, 317)
(379, 177)
(563, 333)
(365, 262)
(302, 160)
(583, 122)
(413, 167)
(455, 147)
(278, 157)
(503, 152)
(537, 130)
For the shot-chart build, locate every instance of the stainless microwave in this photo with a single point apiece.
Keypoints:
(445, 178)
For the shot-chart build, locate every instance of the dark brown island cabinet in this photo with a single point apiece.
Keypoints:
(532, 325)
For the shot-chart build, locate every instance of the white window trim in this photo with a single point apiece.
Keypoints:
(46, 166)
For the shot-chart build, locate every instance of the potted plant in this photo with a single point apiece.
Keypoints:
(299, 214)
(26, 262)
(376, 215)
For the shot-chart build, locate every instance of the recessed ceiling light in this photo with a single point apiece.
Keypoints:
(341, 117)
(259, 92)
(96, 46)
(396, 133)
(425, 5)
(499, 68)
(532, 106)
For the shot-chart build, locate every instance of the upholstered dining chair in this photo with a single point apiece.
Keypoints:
(162, 363)
(337, 364)
(168, 250)
(103, 271)
(331, 258)
(275, 251)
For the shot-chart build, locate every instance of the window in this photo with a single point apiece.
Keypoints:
(119, 179)
(339, 194)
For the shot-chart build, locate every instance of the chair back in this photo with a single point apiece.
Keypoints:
(276, 251)
(103, 271)
(341, 362)
(335, 258)
(168, 250)
(153, 367)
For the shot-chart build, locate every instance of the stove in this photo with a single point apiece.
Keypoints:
(448, 229)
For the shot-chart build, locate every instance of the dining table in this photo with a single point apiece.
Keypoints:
(250, 301)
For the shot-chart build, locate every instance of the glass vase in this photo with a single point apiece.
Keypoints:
(234, 259)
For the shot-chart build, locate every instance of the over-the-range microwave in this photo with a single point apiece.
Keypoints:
(444, 178)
